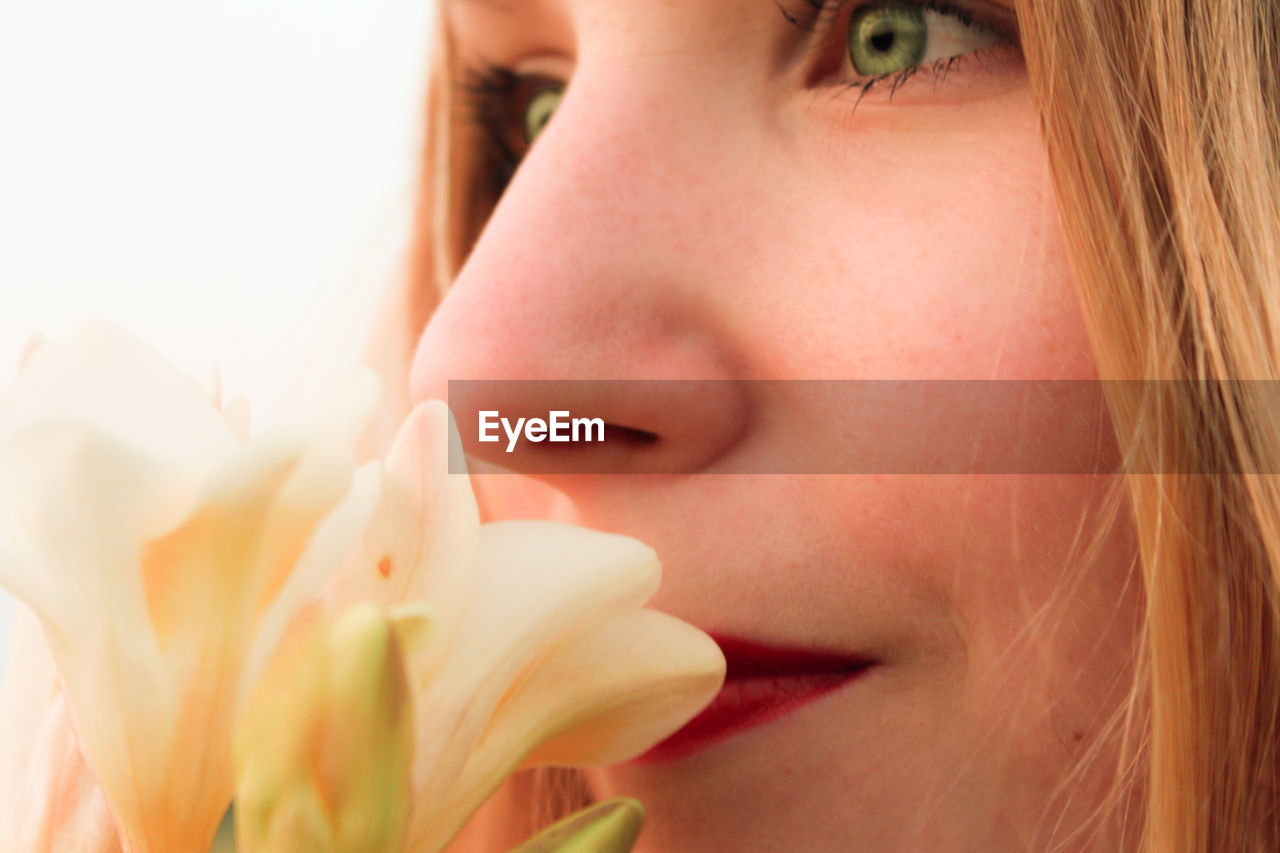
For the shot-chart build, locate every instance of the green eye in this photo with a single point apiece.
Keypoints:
(885, 39)
(538, 111)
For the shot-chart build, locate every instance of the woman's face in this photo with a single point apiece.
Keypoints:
(720, 195)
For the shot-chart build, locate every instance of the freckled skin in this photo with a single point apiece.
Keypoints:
(696, 209)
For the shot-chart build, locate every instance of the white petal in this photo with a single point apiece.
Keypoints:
(77, 503)
(24, 582)
(61, 806)
(105, 377)
(540, 584)
(237, 414)
(612, 693)
(318, 482)
(30, 684)
(604, 697)
(424, 540)
(332, 545)
(321, 480)
(211, 386)
(49, 800)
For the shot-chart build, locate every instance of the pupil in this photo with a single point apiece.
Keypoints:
(883, 41)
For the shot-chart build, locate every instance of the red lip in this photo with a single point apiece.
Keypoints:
(761, 684)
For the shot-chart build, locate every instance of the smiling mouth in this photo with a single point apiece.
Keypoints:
(762, 683)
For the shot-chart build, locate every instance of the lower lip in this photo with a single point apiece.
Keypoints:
(756, 694)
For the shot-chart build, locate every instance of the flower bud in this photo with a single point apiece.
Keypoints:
(609, 827)
(324, 746)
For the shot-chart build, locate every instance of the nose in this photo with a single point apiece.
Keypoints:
(587, 274)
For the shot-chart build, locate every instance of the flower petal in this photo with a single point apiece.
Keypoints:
(322, 477)
(62, 807)
(269, 529)
(544, 584)
(215, 558)
(105, 377)
(424, 539)
(76, 503)
(237, 416)
(606, 696)
(49, 800)
(335, 532)
(332, 545)
(211, 386)
(612, 693)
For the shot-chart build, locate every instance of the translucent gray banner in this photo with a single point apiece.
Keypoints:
(867, 427)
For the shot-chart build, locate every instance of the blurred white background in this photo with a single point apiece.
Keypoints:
(233, 181)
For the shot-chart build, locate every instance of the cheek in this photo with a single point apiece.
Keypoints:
(939, 255)
(926, 251)
(1049, 603)
(1013, 611)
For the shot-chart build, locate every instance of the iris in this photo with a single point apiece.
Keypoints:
(885, 39)
(538, 111)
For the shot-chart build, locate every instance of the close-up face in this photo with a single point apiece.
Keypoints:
(751, 190)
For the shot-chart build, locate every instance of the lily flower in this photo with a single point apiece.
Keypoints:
(171, 559)
(540, 649)
(163, 554)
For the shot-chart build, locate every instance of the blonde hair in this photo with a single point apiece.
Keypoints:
(1163, 132)
(1162, 124)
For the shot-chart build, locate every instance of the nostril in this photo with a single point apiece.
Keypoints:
(613, 436)
(539, 437)
(631, 436)
(549, 427)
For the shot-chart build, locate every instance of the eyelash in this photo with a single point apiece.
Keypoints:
(488, 97)
(489, 93)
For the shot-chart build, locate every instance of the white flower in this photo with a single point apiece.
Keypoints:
(425, 656)
(163, 557)
(539, 649)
